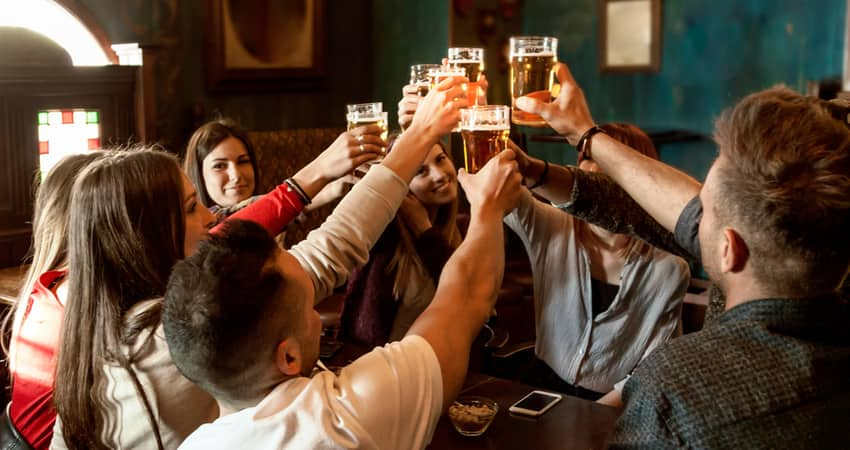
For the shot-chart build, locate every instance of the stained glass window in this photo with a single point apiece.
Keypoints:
(63, 132)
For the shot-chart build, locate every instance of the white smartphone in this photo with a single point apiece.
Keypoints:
(535, 403)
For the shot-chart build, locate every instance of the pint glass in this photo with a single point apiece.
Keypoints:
(485, 130)
(419, 77)
(471, 59)
(362, 114)
(441, 73)
(532, 74)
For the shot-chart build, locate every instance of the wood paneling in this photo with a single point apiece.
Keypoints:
(23, 92)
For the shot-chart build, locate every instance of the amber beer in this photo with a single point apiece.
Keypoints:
(484, 130)
(532, 73)
(360, 120)
(482, 144)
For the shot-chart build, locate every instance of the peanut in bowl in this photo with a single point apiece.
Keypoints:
(471, 415)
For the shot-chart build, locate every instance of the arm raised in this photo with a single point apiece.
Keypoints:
(471, 278)
(661, 190)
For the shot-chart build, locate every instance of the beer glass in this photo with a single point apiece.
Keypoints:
(419, 77)
(471, 59)
(532, 74)
(437, 75)
(485, 130)
(362, 114)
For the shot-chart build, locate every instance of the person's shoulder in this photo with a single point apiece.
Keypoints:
(668, 262)
(676, 362)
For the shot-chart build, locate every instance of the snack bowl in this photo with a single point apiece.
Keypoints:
(472, 415)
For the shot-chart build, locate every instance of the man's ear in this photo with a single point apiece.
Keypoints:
(288, 357)
(735, 252)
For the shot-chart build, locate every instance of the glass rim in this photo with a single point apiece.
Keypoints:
(478, 50)
(447, 69)
(354, 116)
(353, 107)
(541, 38)
(485, 117)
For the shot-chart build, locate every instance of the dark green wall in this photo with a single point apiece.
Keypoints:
(714, 52)
(406, 32)
(183, 102)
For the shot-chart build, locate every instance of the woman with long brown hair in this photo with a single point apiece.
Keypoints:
(222, 164)
(385, 297)
(134, 214)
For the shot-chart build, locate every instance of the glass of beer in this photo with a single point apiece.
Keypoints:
(485, 130)
(439, 74)
(419, 77)
(532, 74)
(362, 114)
(471, 59)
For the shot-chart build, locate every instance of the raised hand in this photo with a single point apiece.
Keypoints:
(495, 189)
(350, 150)
(438, 112)
(407, 105)
(568, 114)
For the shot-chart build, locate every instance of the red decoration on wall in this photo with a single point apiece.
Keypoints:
(67, 116)
(43, 148)
(94, 144)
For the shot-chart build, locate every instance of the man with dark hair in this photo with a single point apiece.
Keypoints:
(239, 321)
(769, 226)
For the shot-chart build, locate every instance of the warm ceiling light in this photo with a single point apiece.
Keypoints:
(50, 19)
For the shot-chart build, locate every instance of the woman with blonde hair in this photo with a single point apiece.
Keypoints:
(37, 315)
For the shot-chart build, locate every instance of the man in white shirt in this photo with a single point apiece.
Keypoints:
(239, 321)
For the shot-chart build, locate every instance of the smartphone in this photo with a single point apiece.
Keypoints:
(535, 403)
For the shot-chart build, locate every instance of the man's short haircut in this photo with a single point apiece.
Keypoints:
(224, 315)
(786, 184)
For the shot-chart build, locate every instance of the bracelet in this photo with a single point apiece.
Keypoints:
(542, 180)
(584, 141)
(295, 187)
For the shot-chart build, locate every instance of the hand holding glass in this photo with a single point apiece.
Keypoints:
(362, 114)
(470, 59)
(532, 74)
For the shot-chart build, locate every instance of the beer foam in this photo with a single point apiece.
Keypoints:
(531, 52)
(486, 127)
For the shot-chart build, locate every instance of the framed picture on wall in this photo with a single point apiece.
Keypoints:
(264, 45)
(629, 35)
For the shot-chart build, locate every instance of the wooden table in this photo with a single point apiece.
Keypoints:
(572, 423)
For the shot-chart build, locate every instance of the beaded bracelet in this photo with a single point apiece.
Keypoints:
(295, 187)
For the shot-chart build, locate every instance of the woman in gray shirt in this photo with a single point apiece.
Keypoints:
(602, 300)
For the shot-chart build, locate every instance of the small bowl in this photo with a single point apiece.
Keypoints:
(471, 415)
